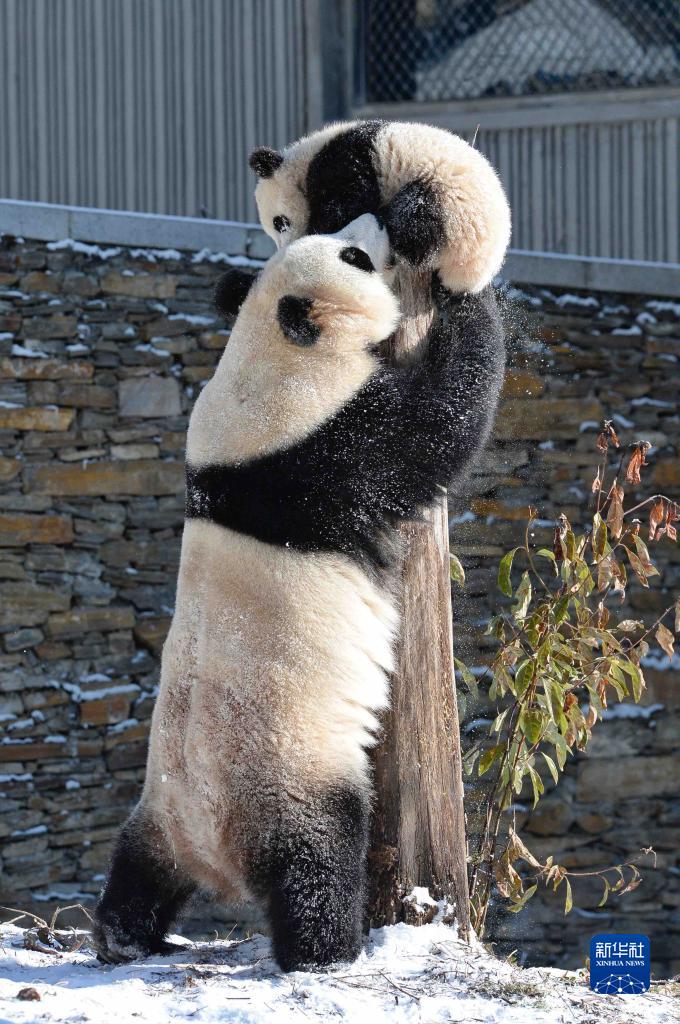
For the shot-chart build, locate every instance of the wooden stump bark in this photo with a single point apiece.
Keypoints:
(418, 831)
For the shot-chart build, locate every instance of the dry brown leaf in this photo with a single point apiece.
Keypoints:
(656, 517)
(602, 442)
(517, 850)
(590, 717)
(507, 879)
(602, 615)
(636, 461)
(666, 640)
(597, 484)
(615, 513)
(608, 434)
(677, 616)
(560, 538)
(604, 572)
(668, 527)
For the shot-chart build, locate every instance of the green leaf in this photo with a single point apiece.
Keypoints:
(531, 724)
(561, 609)
(537, 784)
(523, 677)
(521, 903)
(561, 751)
(467, 677)
(498, 722)
(545, 553)
(489, 756)
(457, 572)
(605, 895)
(568, 902)
(504, 570)
(502, 682)
(636, 678)
(552, 767)
(523, 595)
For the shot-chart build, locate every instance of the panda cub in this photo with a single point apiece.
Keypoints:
(303, 453)
(440, 200)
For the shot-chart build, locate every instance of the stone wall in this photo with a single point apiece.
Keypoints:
(102, 352)
(579, 358)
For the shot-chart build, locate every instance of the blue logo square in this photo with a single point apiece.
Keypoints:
(619, 964)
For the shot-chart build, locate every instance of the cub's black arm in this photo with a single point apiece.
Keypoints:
(446, 402)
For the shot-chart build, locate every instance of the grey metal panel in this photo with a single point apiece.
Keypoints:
(147, 104)
(584, 176)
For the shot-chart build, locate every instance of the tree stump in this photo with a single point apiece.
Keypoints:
(418, 829)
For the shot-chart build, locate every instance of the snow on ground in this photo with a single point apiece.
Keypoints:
(405, 975)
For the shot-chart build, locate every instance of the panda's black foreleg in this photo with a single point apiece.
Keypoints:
(232, 290)
(313, 879)
(414, 223)
(143, 894)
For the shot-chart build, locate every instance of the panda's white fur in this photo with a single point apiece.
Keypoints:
(273, 672)
(476, 215)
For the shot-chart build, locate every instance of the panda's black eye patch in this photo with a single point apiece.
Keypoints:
(293, 316)
(357, 258)
(281, 223)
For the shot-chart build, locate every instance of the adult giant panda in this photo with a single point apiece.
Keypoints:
(440, 200)
(303, 453)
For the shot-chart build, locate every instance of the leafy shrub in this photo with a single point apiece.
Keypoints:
(563, 654)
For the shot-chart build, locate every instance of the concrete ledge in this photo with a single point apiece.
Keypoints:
(51, 223)
(633, 276)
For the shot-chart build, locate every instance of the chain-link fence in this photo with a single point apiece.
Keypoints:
(463, 49)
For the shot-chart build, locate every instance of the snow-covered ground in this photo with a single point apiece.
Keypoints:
(406, 975)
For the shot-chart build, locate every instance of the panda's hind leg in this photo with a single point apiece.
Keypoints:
(144, 893)
(312, 877)
(414, 222)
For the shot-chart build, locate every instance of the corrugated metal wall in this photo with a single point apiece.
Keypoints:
(147, 104)
(609, 190)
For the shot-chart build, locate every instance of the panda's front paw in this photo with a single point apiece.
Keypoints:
(414, 223)
(113, 948)
(232, 290)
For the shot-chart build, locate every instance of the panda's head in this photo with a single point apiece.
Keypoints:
(282, 183)
(303, 344)
(325, 293)
(280, 195)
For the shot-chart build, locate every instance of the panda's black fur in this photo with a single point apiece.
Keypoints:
(326, 505)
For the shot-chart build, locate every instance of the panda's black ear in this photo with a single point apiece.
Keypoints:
(232, 289)
(265, 161)
(294, 320)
